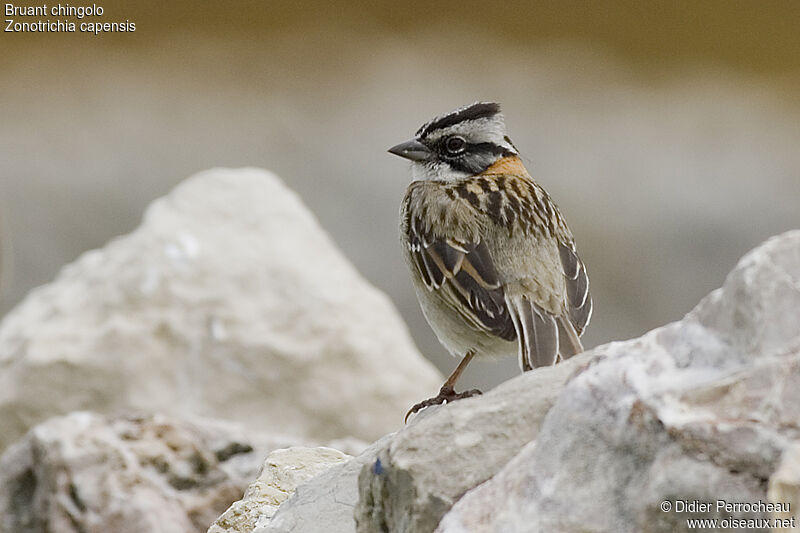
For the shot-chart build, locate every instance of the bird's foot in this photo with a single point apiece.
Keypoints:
(446, 395)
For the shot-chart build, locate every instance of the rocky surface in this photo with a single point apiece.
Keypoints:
(699, 410)
(445, 451)
(84, 473)
(283, 470)
(325, 503)
(229, 301)
(702, 409)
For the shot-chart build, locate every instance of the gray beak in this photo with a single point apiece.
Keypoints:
(413, 150)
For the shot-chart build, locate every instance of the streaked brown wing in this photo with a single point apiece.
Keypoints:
(464, 273)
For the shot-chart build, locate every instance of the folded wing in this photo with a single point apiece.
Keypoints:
(465, 275)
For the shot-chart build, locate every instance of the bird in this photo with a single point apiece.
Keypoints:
(493, 263)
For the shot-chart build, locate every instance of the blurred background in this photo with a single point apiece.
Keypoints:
(668, 132)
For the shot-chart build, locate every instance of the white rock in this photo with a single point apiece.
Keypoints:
(325, 503)
(281, 473)
(228, 301)
(703, 409)
(85, 473)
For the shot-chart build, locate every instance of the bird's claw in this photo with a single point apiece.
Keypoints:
(446, 395)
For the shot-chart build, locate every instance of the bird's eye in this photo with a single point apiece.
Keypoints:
(455, 145)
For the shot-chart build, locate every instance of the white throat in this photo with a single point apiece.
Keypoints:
(435, 171)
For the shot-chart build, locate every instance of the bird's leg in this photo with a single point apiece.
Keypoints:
(447, 393)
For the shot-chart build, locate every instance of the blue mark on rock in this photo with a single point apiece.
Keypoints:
(377, 468)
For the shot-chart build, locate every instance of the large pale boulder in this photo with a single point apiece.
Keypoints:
(228, 301)
(84, 473)
(701, 410)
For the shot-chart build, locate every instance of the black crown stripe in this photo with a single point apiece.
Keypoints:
(472, 112)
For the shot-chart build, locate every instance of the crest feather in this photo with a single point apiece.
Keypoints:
(475, 111)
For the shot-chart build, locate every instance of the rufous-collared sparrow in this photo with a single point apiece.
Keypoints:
(493, 262)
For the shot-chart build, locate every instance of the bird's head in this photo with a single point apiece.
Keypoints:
(462, 143)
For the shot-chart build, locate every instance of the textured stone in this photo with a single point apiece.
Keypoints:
(84, 473)
(228, 301)
(784, 487)
(702, 409)
(325, 503)
(447, 450)
(282, 471)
